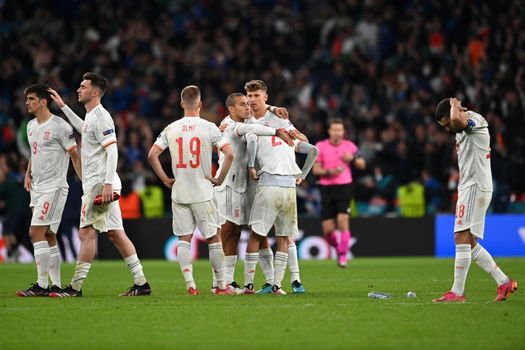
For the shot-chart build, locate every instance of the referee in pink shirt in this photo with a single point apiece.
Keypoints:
(336, 185)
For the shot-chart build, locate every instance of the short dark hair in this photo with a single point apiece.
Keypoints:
(335, 121)
(254, 85)
(40, 90)
(231, 99)
(443, 109)
(190, 95)
(97, 80)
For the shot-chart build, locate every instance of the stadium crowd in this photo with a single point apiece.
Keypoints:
(382, 66)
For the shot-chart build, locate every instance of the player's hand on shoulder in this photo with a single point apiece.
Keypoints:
(223, 127)
(281, 112)
(282, 134)
(253, 174)
(56, 97)
(169, 183)
(214, 181)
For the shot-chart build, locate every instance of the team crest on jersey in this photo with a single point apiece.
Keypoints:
(47, 135)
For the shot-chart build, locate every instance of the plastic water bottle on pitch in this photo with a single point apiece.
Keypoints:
(379, 295)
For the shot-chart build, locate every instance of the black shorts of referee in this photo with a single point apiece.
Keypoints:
(335, 199)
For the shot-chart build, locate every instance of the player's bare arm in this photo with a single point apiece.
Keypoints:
(27, 177)
(458, 117)
(153, 159)
(297, 135)
(227, 150)
(75, 159)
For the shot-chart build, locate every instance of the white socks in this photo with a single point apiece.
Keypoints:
(217, 263)
(485, 261)
(293, 263)
(229, 268)
(184, 256)
(250, 263)
(461, 266)
(54, 266)
(266, 261)
(135, 267)
(42, 257)
(281, 259)
(81, 272)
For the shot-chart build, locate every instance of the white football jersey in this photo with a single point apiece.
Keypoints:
(98, 132)
(50, 143)
(473, 147)
(238, 174)
(190, 141)
(273, 121)
(274, 156)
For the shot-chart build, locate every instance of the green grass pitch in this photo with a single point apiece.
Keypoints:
(335, 313)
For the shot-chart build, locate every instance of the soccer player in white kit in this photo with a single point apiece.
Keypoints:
(231, 195)
(190, 141)
(256, 91)
(52, 142)
(99, 177)
(279, 171)
(475, 192)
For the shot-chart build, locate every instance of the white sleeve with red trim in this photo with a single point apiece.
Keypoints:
(162, 140)
(105, 130)
(111, 163)
(257, 129)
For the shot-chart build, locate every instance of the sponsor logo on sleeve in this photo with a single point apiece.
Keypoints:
(108, 132)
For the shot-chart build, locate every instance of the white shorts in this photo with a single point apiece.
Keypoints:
(471, 210)
(231, 206)
(203, 215)
(48, 208)
(274, 205)
(103, 218)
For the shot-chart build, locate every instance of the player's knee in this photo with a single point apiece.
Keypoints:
(51, 239)
(86, 236)
(463, 237)
(37, 233)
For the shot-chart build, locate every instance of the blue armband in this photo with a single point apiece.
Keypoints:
(470, 124)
